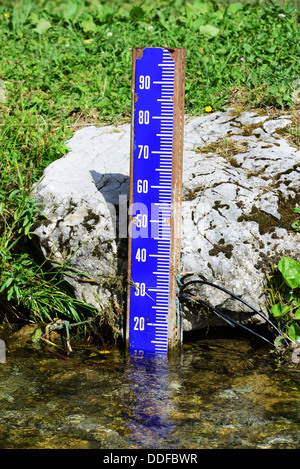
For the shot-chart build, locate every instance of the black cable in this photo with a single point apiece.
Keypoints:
(205, 282)
(218, 313)
(230, 321)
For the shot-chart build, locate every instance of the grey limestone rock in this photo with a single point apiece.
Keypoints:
(240, 178)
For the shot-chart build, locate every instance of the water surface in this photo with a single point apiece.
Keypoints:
(221, 392)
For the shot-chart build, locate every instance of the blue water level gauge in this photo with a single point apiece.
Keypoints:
(155, 199)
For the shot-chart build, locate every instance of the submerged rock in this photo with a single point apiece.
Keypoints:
(240, 182)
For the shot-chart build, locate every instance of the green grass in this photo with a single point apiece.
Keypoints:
(67, 64)
(71, 60)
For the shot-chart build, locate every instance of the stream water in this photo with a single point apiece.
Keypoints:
(221, 392)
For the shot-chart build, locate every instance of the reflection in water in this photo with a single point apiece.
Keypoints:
(152, 404)
(219, 393)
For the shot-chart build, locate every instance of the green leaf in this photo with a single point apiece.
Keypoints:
(277, 311)
(10, 294)
(289, 296)
(13, 193)
(7, 284)
(294, 332)
(34, 18)
(234, 7)
(286, 309)
(198, 23)
(209, 30)
(202, 7)
(42, 26)
(73, 10)
(17, 292)
(136, 13)
(88, 26)
(27, 231)
(297, 314)
(296, 210)
(296, 225)
(290, 270)
(163, 22)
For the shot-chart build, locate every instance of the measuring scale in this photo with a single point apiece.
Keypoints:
(155, 199)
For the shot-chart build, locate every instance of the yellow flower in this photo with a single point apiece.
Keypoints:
(6, 15)
(208, 108)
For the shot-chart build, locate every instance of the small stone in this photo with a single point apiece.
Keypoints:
(227, 394)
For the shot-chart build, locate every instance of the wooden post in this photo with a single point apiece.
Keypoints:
(153, 319)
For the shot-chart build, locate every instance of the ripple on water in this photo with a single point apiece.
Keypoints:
(219, 393)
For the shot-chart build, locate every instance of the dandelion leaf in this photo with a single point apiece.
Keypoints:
(42, 26)
(209, 30)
